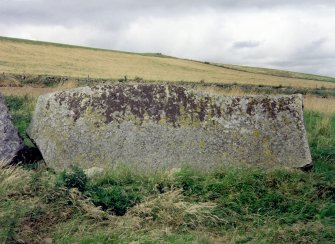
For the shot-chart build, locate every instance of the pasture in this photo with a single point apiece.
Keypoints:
(223, 205)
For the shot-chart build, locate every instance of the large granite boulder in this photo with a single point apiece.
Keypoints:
(160, 126)
(10, 141)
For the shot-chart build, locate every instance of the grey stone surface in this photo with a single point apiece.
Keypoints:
(159, 126)
(10, 142)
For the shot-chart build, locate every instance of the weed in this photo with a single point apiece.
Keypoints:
(75, 178)
(115, 199)
(138, 79)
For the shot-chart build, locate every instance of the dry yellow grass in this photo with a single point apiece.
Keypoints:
(25, 57)
(12, 178)
(36, 91)
(226, 92)
(22, 91)
(319, 104)
(172, 210)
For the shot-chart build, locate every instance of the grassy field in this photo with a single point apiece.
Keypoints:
(275, 72)
(186, 206)
(224, 205)
(29, 57)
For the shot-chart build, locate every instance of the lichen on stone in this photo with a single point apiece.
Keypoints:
(162, 126)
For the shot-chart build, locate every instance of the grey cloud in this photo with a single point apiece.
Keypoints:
(313, 49)
(64, 11)
(116, 14)
(245, 44)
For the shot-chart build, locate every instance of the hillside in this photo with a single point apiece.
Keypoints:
(33, 57)
(184, 205)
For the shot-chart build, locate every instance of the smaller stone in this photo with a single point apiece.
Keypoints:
(47, 240)
(10, 141)
(91, 172)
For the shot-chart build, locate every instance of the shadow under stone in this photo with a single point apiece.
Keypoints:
(27, 155)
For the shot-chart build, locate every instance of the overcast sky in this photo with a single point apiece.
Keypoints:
(296, 35)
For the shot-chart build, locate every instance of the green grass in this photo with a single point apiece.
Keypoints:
(21, 109)
(234, 204)
(321, 135)
(223, 205)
